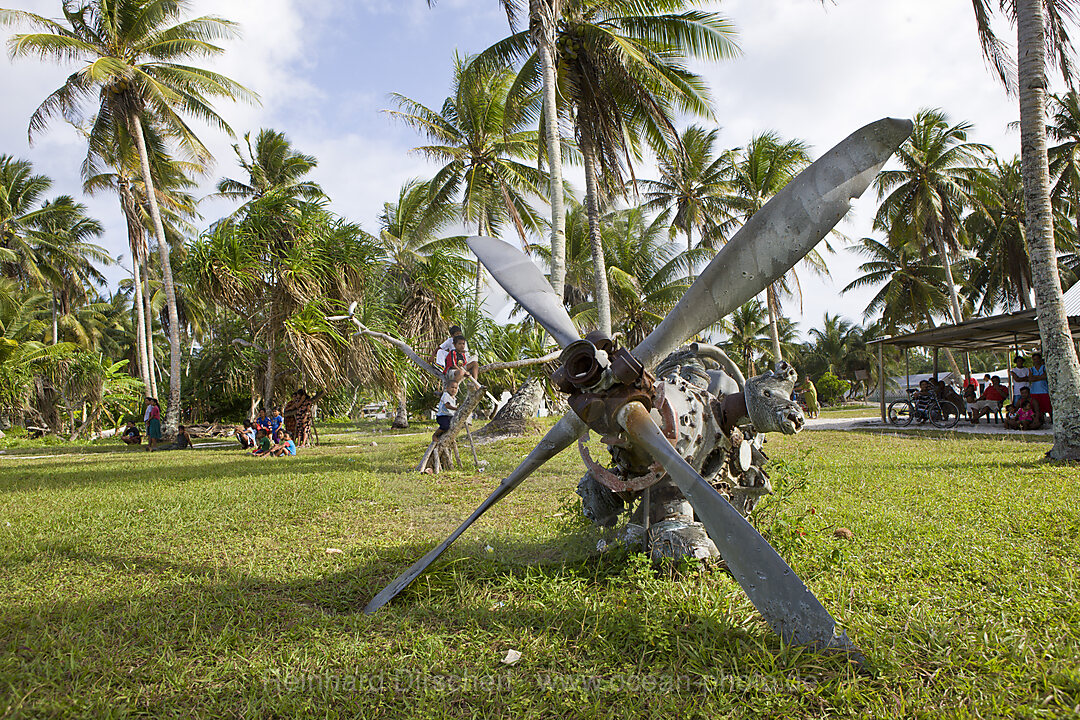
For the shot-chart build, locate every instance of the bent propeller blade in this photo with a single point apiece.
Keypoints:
(523, 281)
(788, 606)
(771, 242)
(561, 436)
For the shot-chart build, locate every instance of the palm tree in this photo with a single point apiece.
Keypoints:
(693, 182)
(913, 289)
(757, 172)
(423, 273)
(130, 52)
(647, 274)
(1001, 274)
(932, 189)
(1042, 40)
(481, 139)
(747, 328)
(621, 74)
(1064, 128)
(65, 257)
(21, 191)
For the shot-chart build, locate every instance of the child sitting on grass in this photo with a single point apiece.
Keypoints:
(262, 444)
(284, 448)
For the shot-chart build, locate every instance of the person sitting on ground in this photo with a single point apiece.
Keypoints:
(131, 434)
(276, 421)
(447, 408)
(182, 441)
(1020, 375)
(153, 425)
(262, 443)
(990, 401)
(246, 435)
(1040, 388)
(1027, 415)
(923, 400)
(263, 422)
(284, 448)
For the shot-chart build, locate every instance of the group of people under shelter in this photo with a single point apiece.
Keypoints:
(1027, 408)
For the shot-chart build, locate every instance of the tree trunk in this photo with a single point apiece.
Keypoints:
(151, 357)
(479, 266)
(172, 414)
(515, 417)
(54, 322)
(592, 204)
(1062, 366)
(542, 16)
(401, 417)
(135, 235)
(954, 299)
(773, 307)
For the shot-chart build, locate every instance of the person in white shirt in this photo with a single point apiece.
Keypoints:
(447, 408)
(1020, 375)
(444, 352)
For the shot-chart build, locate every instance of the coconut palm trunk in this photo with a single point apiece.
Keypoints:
(1062, 366)
(172, 414)
(592, 209)
(151, 357)
(135, 242)
(773, 305)
(542, 14)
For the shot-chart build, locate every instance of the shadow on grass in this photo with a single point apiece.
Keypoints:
(201, 622)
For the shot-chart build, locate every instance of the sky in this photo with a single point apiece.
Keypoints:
(324, 71)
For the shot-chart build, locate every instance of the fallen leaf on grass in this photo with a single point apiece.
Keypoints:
(334, 551)
(512, 656)
(843, 533)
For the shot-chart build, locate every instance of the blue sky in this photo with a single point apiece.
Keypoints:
(325, 68)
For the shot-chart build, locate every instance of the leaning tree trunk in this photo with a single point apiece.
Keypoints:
(773, 306)
(542, 16)
(1062, 367)
(592, 204)
(515, 416)
(172, 414)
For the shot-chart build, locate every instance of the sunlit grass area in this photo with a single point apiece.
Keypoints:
(198, 583)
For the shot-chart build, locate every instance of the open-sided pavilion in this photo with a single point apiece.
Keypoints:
(1012, 331)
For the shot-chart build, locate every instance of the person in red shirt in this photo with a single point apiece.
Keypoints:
(458, 362)
(990, 402)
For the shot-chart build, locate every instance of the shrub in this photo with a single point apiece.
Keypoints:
(831, 389)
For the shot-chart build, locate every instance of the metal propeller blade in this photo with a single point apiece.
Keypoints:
(787, 605)
(561, 436)
(788, 227)
(523, 281)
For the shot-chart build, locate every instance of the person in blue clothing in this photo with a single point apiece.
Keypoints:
(262, 423)
(275, 425)
(284, 448)
(1040, 388)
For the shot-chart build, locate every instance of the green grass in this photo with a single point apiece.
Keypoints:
(197, 584)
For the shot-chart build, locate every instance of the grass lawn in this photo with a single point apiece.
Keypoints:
(198, 584)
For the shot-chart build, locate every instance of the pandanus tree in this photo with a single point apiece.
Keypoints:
(278, 198)
(621, 75)
(131, 55)
(482, 142)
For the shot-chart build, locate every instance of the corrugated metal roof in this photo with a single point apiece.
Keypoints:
(1072, 301)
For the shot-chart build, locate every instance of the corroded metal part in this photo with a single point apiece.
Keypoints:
(769, 404)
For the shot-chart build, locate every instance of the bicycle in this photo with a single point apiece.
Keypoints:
(941, 413)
